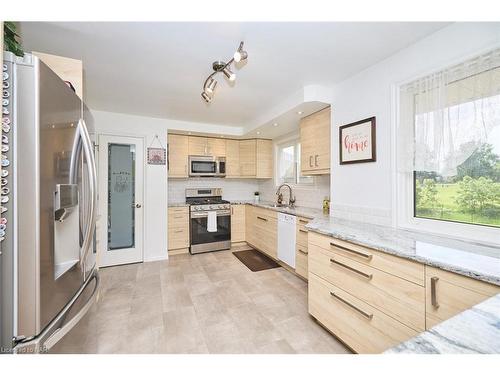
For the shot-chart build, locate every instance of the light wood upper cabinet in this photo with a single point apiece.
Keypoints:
(251, 158)
(448, 294)
(202, 146)
(198, 146)
(216, 147)
(67, 69)
(315, 143)
(264, 158)
(178, 156)
(248, 153)
(232, 158)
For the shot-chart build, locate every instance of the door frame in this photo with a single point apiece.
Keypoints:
(102, 219)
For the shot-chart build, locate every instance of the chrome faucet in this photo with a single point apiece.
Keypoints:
(291, 200)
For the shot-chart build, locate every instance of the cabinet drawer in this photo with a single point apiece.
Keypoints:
(398, 298)
(301, 261)
(264, 213)
(359, 325)
(178, 238)
(448, 294)
(302, 236)
(394, 265)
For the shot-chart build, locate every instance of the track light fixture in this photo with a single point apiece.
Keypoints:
(220, 66)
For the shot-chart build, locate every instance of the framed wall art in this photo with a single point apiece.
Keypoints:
(357, 142)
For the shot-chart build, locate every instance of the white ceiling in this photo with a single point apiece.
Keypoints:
(157, 69)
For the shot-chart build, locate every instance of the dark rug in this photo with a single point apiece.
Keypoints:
(255, 260)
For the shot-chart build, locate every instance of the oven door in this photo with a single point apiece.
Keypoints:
(202, 240)
(202, 166)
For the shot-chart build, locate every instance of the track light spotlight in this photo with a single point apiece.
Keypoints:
(229, 74)
(240, 55)
(212, 84)
(206, 97)
(221, 66)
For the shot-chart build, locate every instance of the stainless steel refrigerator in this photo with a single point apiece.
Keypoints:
(48, 269)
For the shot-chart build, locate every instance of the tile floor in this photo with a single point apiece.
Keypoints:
(207, 303)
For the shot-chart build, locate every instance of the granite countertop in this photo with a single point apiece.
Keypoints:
(475, 260)
(476, 330)
(177, 204)
(309, 213)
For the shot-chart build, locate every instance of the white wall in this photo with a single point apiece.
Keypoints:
(365, 191)
(232, 189)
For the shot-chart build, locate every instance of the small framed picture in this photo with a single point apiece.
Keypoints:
(157, 156)
(357, 142)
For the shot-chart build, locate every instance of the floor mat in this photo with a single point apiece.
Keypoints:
(255, 260)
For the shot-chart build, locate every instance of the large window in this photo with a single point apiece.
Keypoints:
(450, 143)
(289, 164)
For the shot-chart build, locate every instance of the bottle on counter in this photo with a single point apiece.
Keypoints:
(326, 205)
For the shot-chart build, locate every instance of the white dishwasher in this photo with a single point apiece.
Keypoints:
(286, 238)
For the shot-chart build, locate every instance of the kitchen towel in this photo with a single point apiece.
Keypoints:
(212, 221)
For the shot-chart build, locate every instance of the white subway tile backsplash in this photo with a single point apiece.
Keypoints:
(232, 189)
(307, 196)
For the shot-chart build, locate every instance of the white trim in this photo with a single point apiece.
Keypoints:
(402, 185)
(157, 258)
(143, 138)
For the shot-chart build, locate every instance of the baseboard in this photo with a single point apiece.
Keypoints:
(178, 251)
(155, 259)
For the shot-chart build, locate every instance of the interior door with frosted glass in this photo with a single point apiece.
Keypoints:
(121, 171)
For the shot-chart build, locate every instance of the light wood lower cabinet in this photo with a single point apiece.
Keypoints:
(358, 324)
(301, 252)
(396, 297)
(262, 230)
(178, 230)
(405, 269)
(448, 294)
(237, 223)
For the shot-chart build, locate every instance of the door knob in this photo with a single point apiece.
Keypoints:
(138, 205)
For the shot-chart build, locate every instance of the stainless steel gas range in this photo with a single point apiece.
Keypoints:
(210, 220)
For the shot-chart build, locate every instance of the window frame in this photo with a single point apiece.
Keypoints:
(289, 141)
(403, 201)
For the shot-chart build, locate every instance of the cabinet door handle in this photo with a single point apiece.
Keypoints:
(355, 308)
(303, 252)
(179, 231)
(302, 230)
(303, 221)
(232, 210)
(261, 218)
(367, 256)
(434, 300)
(368, 276)
(310, 161)
(315, 160)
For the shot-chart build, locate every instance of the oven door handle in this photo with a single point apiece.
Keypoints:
(205, 214)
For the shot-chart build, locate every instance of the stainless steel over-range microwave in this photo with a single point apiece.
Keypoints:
(207, 166)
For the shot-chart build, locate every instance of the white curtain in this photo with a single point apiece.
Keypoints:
(446, 116)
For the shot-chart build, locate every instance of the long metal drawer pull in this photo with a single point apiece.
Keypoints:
(303, 252)
(302, 230)
(368, 276)
(261, 218)
(434, 300)
(367, 256)
(365, 314)
(303, 221)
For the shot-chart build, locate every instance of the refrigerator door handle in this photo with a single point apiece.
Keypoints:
(91, 168)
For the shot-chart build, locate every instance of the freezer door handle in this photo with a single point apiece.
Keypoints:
(91, 169)
(82, 143)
